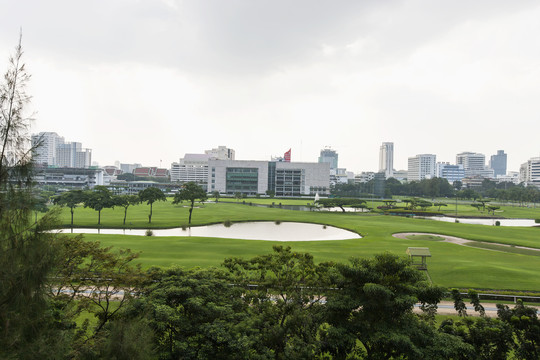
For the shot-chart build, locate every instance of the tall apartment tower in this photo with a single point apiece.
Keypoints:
(386, 159)
(329, 156)
(471, 161)
(46, 143)
(72, 155)
(498, 163)
(421, 167)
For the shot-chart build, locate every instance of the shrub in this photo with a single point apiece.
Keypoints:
(184, 227)
(227, 223)
(277, 222)
(497, 223)
(537, 221)
(457, 221)
(149, 233)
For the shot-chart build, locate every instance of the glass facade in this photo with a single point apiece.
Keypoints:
(290, 182)
(243, 180)
(272, 176)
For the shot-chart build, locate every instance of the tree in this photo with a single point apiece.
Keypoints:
(238, 195)
(190, 192)
(525, 327)
(459, 304)
(197, 314)
(96, 280)
(372, 307)
(439, 204)
(70, 199)
(151, 195)
(126, 201)
(27, 250)
(492, 208)
(216, 195)
(340, 202)
(283, 292)
(40, 204)
(98, 199)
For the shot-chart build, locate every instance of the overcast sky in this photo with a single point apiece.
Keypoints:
(150, 80)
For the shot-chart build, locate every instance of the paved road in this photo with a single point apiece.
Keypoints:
(447, 308)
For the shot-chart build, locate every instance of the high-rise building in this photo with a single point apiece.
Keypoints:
(72, 155)
(421, 167)
(474, 164)
(386, 159)
(498, 163)
(329, 156)
(46, 144)
(471, 161)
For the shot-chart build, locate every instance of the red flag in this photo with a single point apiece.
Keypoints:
(287, 156)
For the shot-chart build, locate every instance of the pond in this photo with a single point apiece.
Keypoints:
(476, 221)
(263, 230)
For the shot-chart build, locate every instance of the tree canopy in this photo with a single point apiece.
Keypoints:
(151, 195)
(190, 192)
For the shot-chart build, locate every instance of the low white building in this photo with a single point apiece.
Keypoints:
(450, 172)
(69, 177)
(260, 177)
(192, 167)
(511, 176)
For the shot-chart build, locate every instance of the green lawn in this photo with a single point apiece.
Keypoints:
(451, 265)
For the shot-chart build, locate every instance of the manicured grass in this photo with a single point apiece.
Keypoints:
(503, 248)
(267, 201)
(463, 207)
(450, 265)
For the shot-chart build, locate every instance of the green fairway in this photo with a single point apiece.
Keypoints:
(451, 265)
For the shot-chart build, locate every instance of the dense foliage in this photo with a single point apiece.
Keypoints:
(439, 187)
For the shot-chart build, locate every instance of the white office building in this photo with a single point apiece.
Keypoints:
(450, 172)
(260, 177)
(421, 167)
(471, 161)
(386, 159)
(192, 167)
(474, 165)
(510, 176)
(530, 172)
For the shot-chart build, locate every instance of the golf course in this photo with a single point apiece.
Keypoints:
(484, 265)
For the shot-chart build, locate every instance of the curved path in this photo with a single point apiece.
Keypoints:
(457, 240)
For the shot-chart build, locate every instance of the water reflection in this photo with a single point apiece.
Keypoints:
(264, 230)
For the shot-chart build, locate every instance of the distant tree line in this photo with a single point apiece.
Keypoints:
(440, 187)
(100, 198)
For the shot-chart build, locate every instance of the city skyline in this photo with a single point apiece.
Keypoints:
(152, 80)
